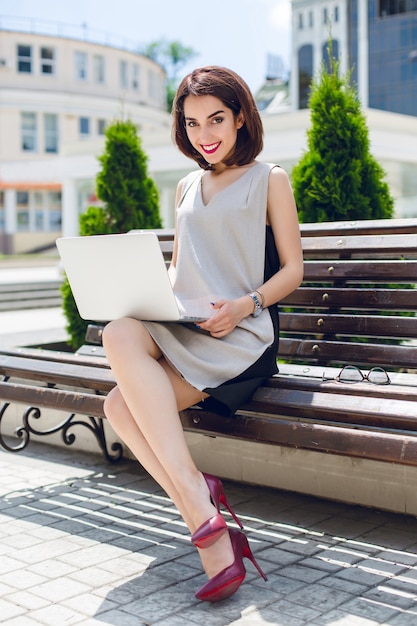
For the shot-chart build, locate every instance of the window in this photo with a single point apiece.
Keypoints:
(24, 59)
(98, 68)
(38, 211)
(325, 16)
(22, 210)
(47, 60)
(310, 19)
(124, 83)
(50, 121)
(300, 21)
(81, 65)
(135, 76)
(84, 126)
(336, 14)
(395, 7)
(101, 127)
(305, 74)
(28, 130)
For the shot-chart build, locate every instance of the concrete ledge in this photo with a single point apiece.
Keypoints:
(355, 481)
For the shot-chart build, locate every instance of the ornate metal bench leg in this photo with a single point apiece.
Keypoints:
(24, 432)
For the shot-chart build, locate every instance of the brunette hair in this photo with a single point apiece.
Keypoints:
(235, 94)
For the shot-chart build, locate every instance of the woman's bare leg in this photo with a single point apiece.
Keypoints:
(143, 409)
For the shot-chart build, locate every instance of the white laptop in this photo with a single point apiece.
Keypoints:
(123, 275)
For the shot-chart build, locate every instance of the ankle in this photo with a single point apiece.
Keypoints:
(217, 557)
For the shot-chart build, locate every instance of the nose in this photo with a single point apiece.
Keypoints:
(205, 136)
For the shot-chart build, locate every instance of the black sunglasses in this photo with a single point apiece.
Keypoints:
(352, 374)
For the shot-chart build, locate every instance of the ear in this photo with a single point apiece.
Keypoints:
(240, 120)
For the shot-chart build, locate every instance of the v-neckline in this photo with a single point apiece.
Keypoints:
(206, 204)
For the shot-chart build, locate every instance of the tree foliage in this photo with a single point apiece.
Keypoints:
(172, 56)
(130, 200)
(337, 178)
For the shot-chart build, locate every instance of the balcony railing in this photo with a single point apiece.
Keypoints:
(81, 32)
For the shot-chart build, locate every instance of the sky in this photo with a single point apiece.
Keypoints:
(238, 34)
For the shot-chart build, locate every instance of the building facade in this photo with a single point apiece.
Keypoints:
(376, 40)
(57, 95)
(58, 92)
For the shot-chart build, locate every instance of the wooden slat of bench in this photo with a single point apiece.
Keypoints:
(294, 382)
(360, 227)
(95, 356)
(328, 297)
(342, 352)
(45, 397)
(393, 326)
(364, 409)
(70, 374)
(360, 270)
(329, 438)
(365, 245)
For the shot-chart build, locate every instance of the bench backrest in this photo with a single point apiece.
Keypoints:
(358, 302)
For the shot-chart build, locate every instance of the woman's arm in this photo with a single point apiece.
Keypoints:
(283, 219)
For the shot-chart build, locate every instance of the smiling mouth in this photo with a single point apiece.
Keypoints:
(210, 148)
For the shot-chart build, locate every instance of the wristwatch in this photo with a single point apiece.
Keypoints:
(258, 306)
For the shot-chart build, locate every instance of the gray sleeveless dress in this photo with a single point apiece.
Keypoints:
(223, 253)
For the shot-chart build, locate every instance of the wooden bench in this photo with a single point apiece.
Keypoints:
(357, 305)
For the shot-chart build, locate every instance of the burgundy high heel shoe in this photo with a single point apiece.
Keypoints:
(211, 530)
(218, 496)
(228, 581)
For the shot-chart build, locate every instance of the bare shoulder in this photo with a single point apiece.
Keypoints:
(279, 188)
(278, 176)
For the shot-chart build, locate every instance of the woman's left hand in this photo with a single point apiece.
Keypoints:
(226, 316)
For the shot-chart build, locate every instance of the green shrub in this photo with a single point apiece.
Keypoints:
(130, 200)
(337, 178)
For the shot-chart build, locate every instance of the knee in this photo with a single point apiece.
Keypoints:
(114, 332)
(114, 405)
(119, 335)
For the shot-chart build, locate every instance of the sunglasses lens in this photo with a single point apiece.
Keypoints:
(350, 374)
(378, 376)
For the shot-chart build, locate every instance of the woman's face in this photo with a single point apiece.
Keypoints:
(211, 127)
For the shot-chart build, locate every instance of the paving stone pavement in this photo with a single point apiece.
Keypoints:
(85, 542)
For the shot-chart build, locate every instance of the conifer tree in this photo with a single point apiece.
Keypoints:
(129, 198)
(337, 178)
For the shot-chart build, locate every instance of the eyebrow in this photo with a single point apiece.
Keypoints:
(208, 117)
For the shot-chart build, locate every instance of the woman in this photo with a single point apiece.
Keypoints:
(232, 216)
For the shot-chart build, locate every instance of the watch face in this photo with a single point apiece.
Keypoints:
(257, 311)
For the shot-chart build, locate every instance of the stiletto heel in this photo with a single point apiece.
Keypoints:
(209, 532)
(218, 496)
(228, 581)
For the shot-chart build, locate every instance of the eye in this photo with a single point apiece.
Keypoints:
(217, 120)
(191, 124)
